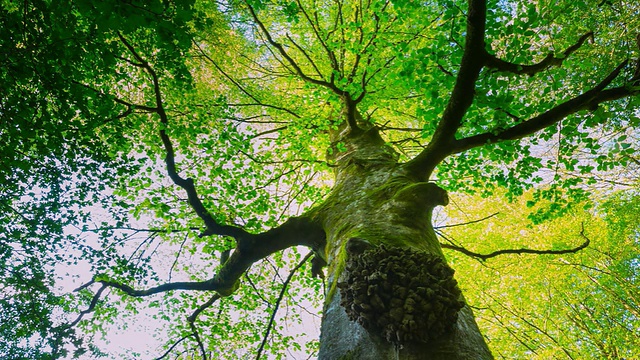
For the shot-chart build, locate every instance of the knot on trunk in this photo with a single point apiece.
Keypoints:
(401, 294)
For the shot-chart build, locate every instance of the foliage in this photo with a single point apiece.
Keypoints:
(63, 146)
(574, 306)
(248, 94)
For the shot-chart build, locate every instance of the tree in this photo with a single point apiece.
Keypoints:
(336, 126)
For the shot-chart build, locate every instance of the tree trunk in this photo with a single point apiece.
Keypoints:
(379, 211)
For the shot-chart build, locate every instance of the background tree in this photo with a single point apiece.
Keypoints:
(284, 124)
(571, 306)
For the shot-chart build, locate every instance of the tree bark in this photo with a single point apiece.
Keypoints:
(378, 203)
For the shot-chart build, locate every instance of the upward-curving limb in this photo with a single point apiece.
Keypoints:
(484, 257)
(473, 60)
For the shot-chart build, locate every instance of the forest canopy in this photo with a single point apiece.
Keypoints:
(205, 166)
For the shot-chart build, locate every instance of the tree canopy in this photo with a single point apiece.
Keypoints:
(176, 155)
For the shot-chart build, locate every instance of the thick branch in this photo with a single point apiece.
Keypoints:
(547, 62)
(295, 231)
(351, 112)
(182, 285)
(586, 101)
(92, 305)
(473, 59)
(249, 249)
(518, 251)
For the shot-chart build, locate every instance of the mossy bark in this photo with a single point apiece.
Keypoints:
(376, 200)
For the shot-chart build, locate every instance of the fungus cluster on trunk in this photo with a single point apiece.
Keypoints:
(400, 294)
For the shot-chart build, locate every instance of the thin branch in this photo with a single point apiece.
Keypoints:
(316, 30)
(192, 319)
(519, 251)
(170, 349)
(139, 230)
(92, 305)
(390, 60)
(306, 55)
(255, 289)
(267, 132)
(278, 301)
(515, 335)
(198, 340)
(177, 257)
(241, 88)
(528, 322)
(288, 161)
(144, 243)
(129, 105)
(286, 56)
(128, 61)
(387, 128)
(233, 81)
(547, 62)
(339, 24)
(349, 102)
(445, 71)
(467, 223)
(304, 184)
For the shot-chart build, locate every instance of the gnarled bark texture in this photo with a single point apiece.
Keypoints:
(378, 202)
